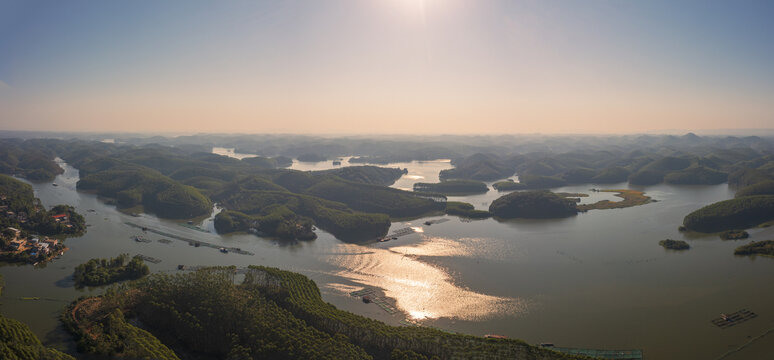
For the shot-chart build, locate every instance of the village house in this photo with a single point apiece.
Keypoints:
(16, 231)
(17, 244)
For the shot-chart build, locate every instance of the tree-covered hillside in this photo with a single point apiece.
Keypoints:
(272, 314)
(532, 204)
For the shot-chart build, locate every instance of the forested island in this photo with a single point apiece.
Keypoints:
(465, 210)
(508, 185)
(97, 272)
(674, 244)
(271, 314)
(532, 204)
(734, 235)
(765, 247)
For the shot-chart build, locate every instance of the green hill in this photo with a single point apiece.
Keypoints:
(698, 175)
(132, 186)
(272, 314)
(532, 204)
(611, 175)
(762, 188)
(484, 167)
(738, 213)
(374, 175)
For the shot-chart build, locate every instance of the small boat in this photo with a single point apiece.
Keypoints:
(366, 299)
(54, 184)
(394, 238)
(181, 267)
(726, 317)
(547, 344)
(190, 222)
(428, 223)
(223, 250)
(495, 336)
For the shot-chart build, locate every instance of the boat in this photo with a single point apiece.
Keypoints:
(337, 162)
(54, 184)
(547, 344)
(495, 336)
(366, 299)
(428, 223)
(223, 250)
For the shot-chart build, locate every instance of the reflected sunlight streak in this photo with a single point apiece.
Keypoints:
(421, 290)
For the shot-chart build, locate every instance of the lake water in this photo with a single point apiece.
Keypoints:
(597, 280)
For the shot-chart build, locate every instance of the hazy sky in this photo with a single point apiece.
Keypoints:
(396, 66)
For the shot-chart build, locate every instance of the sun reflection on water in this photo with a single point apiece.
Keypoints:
(421, 290)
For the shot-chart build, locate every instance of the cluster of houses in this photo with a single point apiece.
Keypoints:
(35, 246)
(63, 219)
(21, 216)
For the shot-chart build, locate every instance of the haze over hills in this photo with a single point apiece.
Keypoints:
(386, 179)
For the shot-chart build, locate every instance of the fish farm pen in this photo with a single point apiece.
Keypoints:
(190, 241)
(194, 227)
(729, 320)
(600, 354)
(382, 303)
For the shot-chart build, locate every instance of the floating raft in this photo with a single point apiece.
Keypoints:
(734, 318)
(140, 238)
(382, 303)
(362, 292)
(190, 241)
(194, 227)
(398, 233)
(148, 258)
(599, 353)
(437, 221)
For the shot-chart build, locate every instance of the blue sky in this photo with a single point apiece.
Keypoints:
(362, 66)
